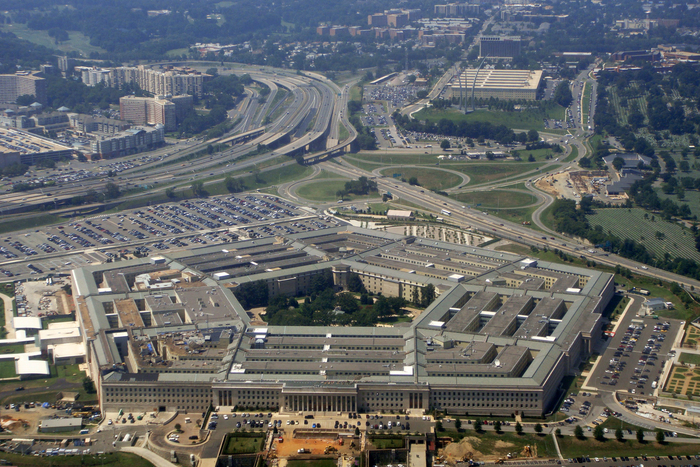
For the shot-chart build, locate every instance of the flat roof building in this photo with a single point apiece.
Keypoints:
(500, 84)
(28, 148)
(480, 335)
(22, 83)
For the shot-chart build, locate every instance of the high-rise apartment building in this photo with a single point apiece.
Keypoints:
(158, 82)
(22, 84)
(164, 110)
(499, 46)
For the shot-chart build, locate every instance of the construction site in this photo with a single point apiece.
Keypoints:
(575, 184)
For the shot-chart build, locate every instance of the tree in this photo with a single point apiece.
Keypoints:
(112, 191)
(533, 135)
(562, 94)
(427, 295)
(518, 428)
(618, 163)
(439, 427)
(557, 432)
(357, 431)
(578, 432)
(198, 188)
(497, 426)
(178, 427)
(413, 181)
(458, 424)
(660, 436)
(538, 428)
(640, 435)
(619, 435)
(477, 425)
(25, 99)
(531, 158)
(598, 433)
(89, 385)
(445, 144)
(170, 192)
(233, 185)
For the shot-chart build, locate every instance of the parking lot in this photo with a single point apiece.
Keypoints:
(157, 228)
(636, 354)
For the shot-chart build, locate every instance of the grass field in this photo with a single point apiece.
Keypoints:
(689, 358)
(324, 174)
(492, 443)
(431, 179)
(29, 222)
(538, 154)
(657, 235)
(573, 155)
(574, 447)
(243, 444)
(513, 215)
(111, 459)
(355, 93)
(7, 369)
(499, 199)
(386, 443)
(326, 191)
(78, 42)
(177, 52)
(484, 173)
(525, 120)
(612, 424)
(343, 132)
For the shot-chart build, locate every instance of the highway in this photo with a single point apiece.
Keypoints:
(460, 214)
(308, 93)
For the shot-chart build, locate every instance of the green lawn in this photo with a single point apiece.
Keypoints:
(657, 235)
(343, 132)
(7, 368)
(573, 155)
(28, 221)
(613, 423)
(491, 443)
(324, 174)
(574, 447)
(523, 120)
(11, 349)
(70, 373)
(513, 215)
(177, 52)
(431, 179)
(243, 444)
(326, 191)
(538, 154)
(111, 459)
(484, 173)
(387, 443)
(689, 358)
(500, 199)
(78, 42)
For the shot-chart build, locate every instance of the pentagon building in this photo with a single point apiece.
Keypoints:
(167, 333)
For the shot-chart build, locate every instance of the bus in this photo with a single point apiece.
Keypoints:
(446, 212)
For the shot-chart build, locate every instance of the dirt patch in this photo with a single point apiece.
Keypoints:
(465, 449)
(503, 445)
(290, 446)
(12, 424)
(255, 315)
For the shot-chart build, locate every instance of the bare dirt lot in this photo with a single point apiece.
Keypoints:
(290, 446)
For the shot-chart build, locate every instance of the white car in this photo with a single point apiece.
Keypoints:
(225, 417)
(109, 422)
